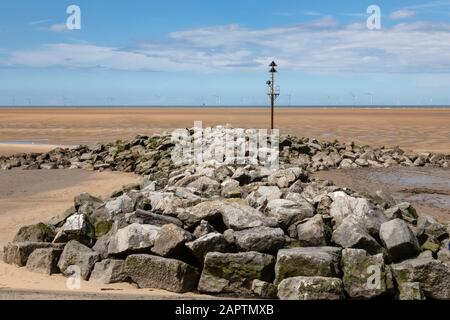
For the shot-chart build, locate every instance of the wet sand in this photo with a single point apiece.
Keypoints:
(14, 148)
(427, 189)
(411, 129)
(31, 196)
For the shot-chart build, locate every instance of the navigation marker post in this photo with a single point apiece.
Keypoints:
(274, 92)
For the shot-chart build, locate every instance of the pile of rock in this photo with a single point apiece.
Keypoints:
(141, 155)
(244, 231)
(144, 155)
(321, 155)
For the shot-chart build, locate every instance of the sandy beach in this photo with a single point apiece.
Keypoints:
(413, 129)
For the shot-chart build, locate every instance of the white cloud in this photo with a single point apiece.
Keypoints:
(38, 22)
(402, 14)
(319, 46)
(58, 27)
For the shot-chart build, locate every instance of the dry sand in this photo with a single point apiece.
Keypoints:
(415, 129)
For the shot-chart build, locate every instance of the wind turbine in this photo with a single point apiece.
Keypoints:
(354, 97)
(218, 99)
(289, 98)
(371, 97)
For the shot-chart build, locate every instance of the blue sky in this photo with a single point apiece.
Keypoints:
(194, 52)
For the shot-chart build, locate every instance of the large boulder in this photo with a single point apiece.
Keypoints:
(308, 262)
(85, 200)
(433, 275)
(350, 234)
(286, 177)
(313, 232)
(109, 271)
(80, 256)
(365, 276)
(235, 272)
(311, 288)
(149, 271)
(76, 227)
(205, 185)
(262, 195)
(231, 189)
(261, 239)
(44, 260)
(146, 217)
(39, 232)
(306, 208)
(170, 239)
(211, 242)
(428, 227)
(122, 204)
(134, 238)
(360, 209)
(207, 211)
(404, 211)
(239, 217)
(18, 252)
(400, 241)
(286, 212)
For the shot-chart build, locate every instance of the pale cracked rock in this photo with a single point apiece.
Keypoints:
(122, 204)
(77, 227)
(149, 271)
(285, 178)
(311, 288)
(133, 238)
(400, 241)
(235, 272)
(350, 234)
(360, 209)
(313, 232)
(263, 195)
